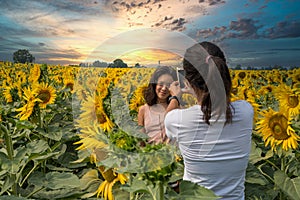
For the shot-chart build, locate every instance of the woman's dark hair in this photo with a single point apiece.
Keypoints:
(205, 66)
(150, 95)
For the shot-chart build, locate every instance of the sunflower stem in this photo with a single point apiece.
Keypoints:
(282, 163)
(10, 154)
(263, 173)
(272, 164)
(40, 118)
(161, 190)
(131, 194)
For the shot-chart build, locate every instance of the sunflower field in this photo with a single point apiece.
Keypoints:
(69, 132)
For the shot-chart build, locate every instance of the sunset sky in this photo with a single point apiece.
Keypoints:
(251, 32)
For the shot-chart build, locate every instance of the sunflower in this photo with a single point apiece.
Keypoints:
(256, 108)
(46, 94)
(110, 178)
(265, 90)
(102, 88)
(35, 73)
(276, 130)
(295, 75)
(189, 100)
(93, 112)
(68, 83)
(10, 94)
(80, 91)
(104, 121)
(289, 99)
(92, 138)
(26, 110)
(124, 86)
(137, 98)
(91, 83)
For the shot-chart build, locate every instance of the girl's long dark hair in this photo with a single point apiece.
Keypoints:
(203, 64)
(150, 95)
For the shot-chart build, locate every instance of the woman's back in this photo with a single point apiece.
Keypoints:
(215, 156)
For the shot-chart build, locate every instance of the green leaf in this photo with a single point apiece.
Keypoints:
(178, 173)
(136, 186)
(8, 183)
(134, 162)
(13, 198)
(55, 180)
(254, 192)
(11, 166)
(120, 194)
(191, 191)
(88, 178)
(141, 186)
(24, 124)
(254, 176)
(53, 133)
(256, 154)
(37, 146)
(65, 193)
(289, 186)
(3, 157)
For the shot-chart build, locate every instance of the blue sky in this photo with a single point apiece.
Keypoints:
(252, 33)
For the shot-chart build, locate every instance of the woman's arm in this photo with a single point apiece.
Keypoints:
(175, 90)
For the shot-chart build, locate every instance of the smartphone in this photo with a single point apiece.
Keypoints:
(180, 77)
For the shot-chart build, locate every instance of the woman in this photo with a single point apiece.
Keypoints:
(151, 115)
(214, 136)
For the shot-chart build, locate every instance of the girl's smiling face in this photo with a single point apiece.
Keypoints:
(162, 87)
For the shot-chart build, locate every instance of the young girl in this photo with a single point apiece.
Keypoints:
(151, 115)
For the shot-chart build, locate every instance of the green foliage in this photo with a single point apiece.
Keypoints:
(23, 56)
(118, 63)
(188, 191)
(36, 156)
(275, 173)
(290, 186)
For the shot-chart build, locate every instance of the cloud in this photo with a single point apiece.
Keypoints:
(205, 33)
(284, 29)
(243, 29)
(53, 56)
(169, 14)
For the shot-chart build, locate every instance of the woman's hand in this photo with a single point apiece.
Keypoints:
(188, 89)
(175, 89)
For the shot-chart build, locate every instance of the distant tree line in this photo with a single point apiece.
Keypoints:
(24, 56)
(117, 63)
(239, 67)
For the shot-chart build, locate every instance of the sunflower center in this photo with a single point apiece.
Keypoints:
(121, 143)
(278, 124)
(108, 175)
(44, 95)
(269, 89)
(101, 118)
(242, 75)
(234, 90)
(70, 85)
(293, 101)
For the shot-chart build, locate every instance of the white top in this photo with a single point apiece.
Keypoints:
(215, 156)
